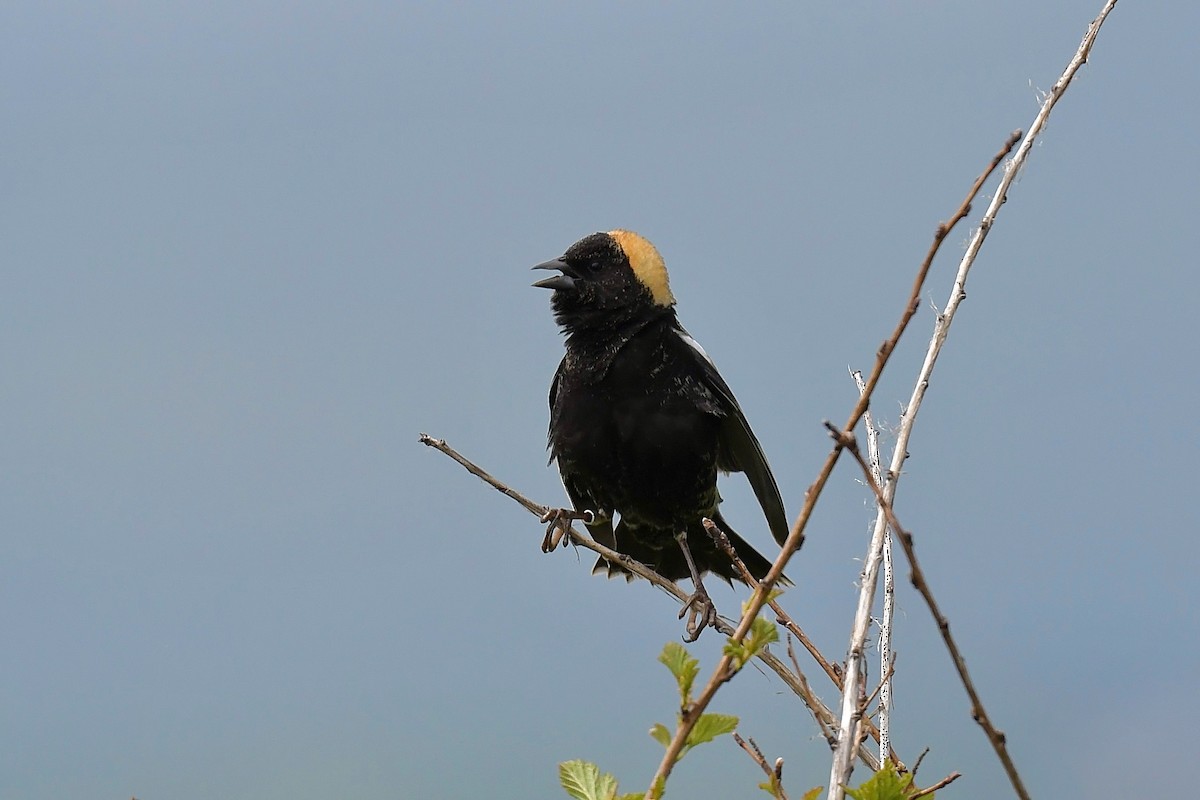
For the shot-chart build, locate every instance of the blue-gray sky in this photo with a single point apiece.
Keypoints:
(252, 249)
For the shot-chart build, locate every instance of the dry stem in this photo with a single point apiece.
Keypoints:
(842, 762)
(887, 661)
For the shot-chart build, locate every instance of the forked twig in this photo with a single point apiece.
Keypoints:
(774, 773)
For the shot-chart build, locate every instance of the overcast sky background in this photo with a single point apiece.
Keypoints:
(252, 249)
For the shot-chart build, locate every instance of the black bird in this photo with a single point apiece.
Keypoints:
(641, 421)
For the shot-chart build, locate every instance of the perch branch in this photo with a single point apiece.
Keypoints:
(796, 682)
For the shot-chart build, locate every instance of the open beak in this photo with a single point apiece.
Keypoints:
(564, 281)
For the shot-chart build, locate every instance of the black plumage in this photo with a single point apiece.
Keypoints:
(640, 419)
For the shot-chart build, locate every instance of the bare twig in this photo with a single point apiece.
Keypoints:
(834, 671)
(888, 669)
(920, 758)
(774, 773)
(944, 782)
(825, 719)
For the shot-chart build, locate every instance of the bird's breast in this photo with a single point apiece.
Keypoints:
(645, 449)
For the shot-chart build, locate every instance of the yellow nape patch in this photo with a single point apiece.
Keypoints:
(647, 265)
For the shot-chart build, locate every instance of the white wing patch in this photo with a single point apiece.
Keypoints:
(692, 343)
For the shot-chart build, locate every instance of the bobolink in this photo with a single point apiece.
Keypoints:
(641, 421)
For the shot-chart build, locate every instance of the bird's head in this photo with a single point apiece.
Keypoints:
(606, 280)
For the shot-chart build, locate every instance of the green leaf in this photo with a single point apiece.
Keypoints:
(813, 793)
(661, 734)
(883, 785)
(771, 787)
(584, 781)
(762, 633)
(709, 727)
(683, 667)
(738, 652)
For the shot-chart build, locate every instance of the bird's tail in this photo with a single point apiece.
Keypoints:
(662, 553)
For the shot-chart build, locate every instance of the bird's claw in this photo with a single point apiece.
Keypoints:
(701, 614)
(559, 524)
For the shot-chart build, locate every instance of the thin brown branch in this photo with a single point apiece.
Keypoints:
(917, 576)
(887, 676)
(920, 758)
(774, 773)
(944, 782)
(834, 671)
(721, 673)
(796, 681)
(825, 719)
(538, 510)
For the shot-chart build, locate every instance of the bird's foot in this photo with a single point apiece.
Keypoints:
(559, 523)
(701, 613)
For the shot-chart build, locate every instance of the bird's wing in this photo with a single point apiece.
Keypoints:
(554, 388)
(602, 528)
(740, 450)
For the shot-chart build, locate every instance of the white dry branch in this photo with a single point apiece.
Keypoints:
(843, 755)
(852, 706)
(886, 656)
(889, 590)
